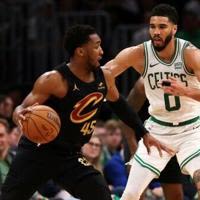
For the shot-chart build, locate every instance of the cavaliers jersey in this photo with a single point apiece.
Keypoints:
(78, 110)
(163, 106)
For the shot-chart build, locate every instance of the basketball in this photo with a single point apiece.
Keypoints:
(41, 125)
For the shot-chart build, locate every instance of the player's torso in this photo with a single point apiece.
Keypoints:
(164, 106)
(79, 109)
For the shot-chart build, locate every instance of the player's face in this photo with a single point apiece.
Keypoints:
(161, 32)
(94, 51)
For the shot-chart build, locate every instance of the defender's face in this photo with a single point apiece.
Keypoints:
(161, 30)
(94, 51)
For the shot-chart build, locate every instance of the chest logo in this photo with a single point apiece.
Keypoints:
(153, 65)
(84, 109)
(178, 65)
(75, 87)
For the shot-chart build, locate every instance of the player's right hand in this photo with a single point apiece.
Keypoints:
(20, 115)
(149, 141)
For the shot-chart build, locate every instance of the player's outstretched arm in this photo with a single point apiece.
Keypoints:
(120, 106)
(137, 96)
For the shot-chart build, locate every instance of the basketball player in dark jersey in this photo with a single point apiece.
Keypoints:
(76, 90)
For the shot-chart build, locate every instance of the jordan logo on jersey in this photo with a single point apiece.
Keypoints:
(75, 87)
(101, 86)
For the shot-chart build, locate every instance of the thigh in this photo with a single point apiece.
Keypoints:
(188, 154)
(25, 175)
(80, 179)
(151, 161)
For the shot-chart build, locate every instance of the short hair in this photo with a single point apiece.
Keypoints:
(76, 36)
(165, 10)
(112, 125)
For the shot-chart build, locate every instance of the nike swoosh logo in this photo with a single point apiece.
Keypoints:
(152, 65)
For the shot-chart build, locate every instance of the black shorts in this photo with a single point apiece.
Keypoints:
(32, 168)
(171, 173)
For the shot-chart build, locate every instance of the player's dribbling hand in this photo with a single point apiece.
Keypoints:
(149, 141)
(21, 114)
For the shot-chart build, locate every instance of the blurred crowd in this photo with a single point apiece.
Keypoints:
(31, 32)
(31, 42)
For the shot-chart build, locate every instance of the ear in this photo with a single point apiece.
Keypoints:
(80, 51)
(175, 29)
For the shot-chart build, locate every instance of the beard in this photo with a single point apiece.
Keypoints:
(166, 42)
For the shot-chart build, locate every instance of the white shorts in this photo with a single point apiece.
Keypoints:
(185, 140)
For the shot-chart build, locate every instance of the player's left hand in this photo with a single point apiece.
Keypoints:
(176, 87)
(149, 141)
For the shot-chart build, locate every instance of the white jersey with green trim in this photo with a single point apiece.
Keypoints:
(166, 107)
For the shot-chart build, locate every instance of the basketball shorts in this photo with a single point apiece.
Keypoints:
(185, 140)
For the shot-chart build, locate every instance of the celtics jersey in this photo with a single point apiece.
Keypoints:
(163, 106)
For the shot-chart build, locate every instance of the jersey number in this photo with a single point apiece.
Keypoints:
(173, 103)
(88, 127)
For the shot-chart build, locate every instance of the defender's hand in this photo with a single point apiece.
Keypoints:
(174, 87)
(149, 141)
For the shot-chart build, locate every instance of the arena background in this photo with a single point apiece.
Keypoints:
(31, 34)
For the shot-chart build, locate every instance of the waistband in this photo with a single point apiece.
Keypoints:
(175, 124)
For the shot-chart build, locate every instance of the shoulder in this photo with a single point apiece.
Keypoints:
(49, 81)
(190, 49)
(191, 56)
(50, 76)
(133, 51)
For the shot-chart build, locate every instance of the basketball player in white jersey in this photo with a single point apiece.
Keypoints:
(174, 119)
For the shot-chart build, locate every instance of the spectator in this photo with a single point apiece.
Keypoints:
(92, 151)
(5, 155)
(113, 140)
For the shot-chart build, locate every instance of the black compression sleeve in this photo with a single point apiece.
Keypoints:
(128, 116)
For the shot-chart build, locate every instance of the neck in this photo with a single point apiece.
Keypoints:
(81, 70)
(167, 54)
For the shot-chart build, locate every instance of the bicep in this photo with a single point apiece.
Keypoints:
(112, 91)
(192, 60)
(43, 88)
(37, 95)
(120, 63)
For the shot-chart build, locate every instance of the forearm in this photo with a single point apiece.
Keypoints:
(128, 116)
(129, 134)
(136, 99)
(193, 93)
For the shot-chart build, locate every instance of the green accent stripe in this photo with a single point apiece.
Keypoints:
(146, 165)
(174, 125)
(182, 57)
(175, 55)
(146, 60)
(189, 158)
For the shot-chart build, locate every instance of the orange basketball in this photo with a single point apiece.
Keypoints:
(41, 125)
